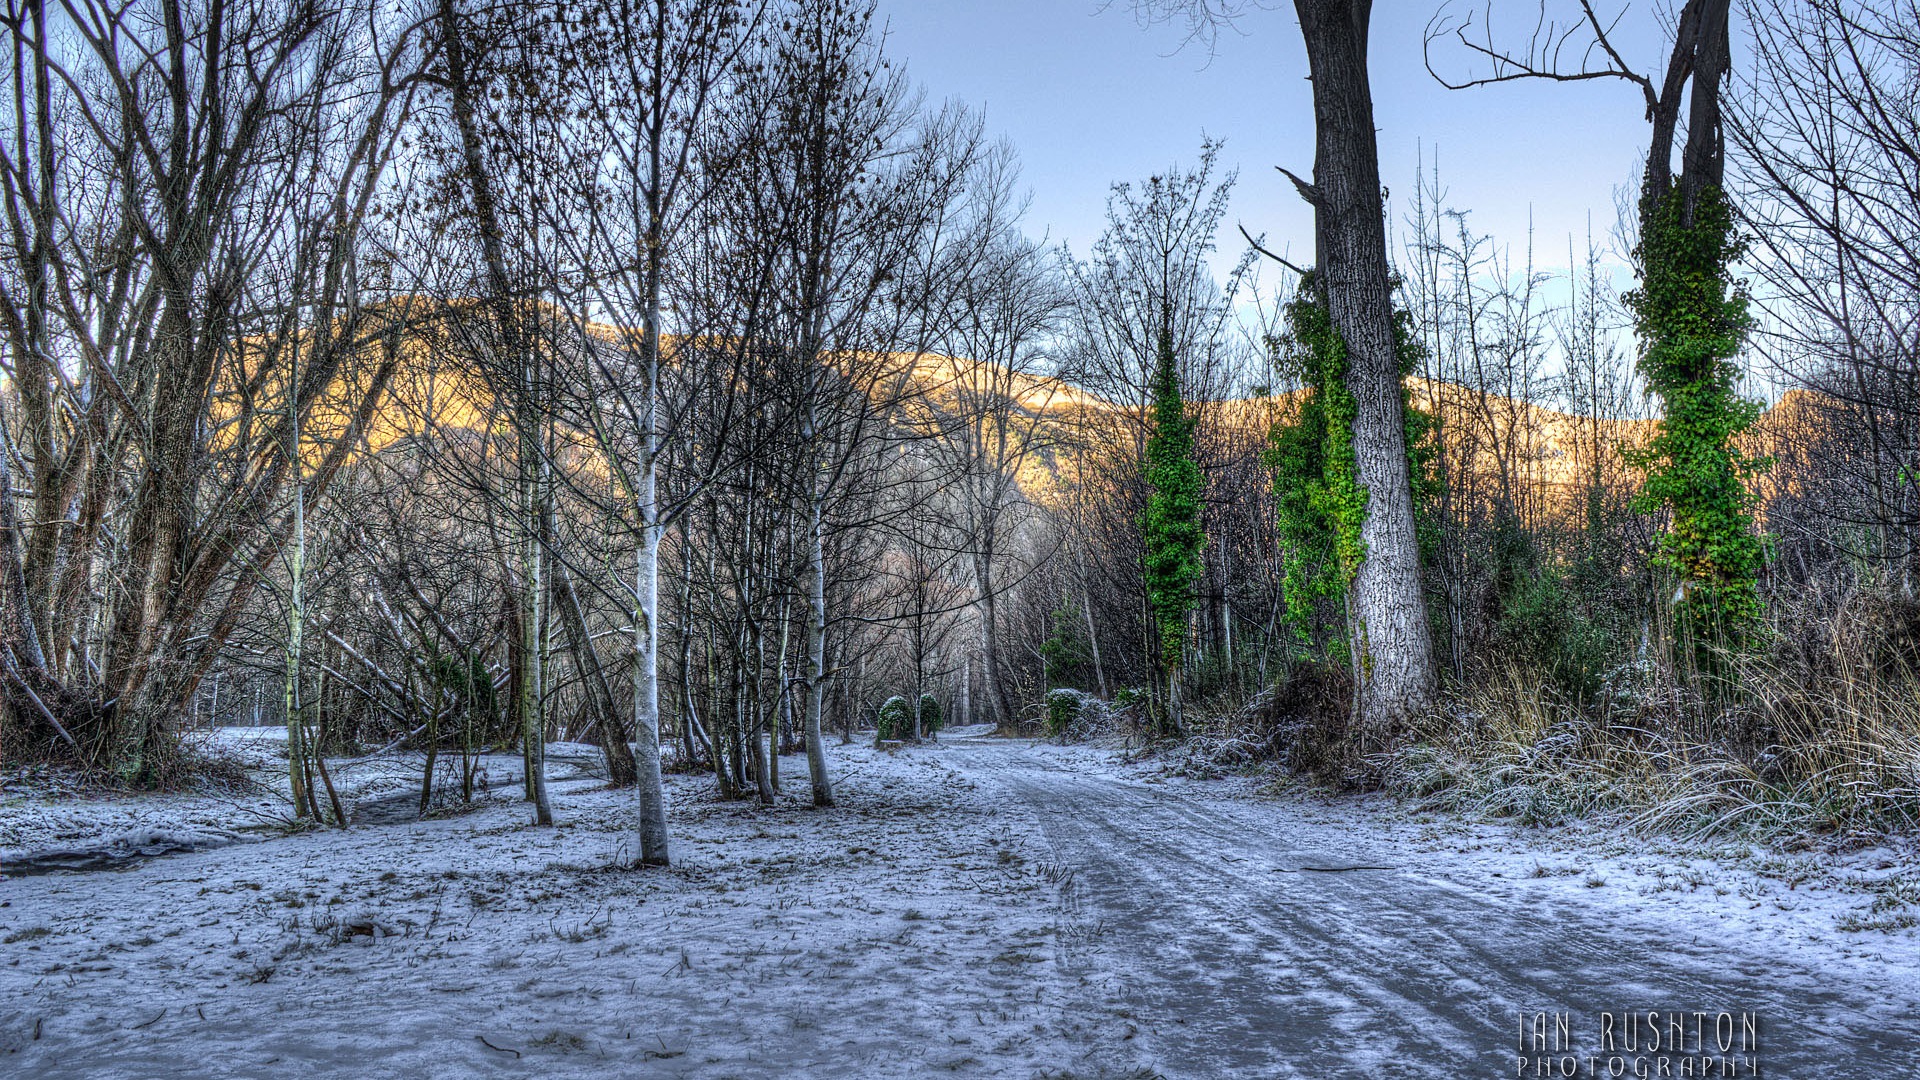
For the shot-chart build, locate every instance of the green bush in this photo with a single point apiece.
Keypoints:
(895, 719)
(1063, 709)
(930, 716)
(1543, 624)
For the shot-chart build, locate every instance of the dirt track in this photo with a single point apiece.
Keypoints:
(1240, 968)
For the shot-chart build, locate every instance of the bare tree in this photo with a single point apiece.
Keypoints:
(177, 249)
(1825, 136)
(989, 411)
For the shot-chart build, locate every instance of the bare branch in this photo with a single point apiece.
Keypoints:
(1545, 56)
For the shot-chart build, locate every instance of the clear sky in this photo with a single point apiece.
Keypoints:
(1090, 96)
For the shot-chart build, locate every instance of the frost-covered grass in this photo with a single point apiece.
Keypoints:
(1842, 764)
(1813, 737)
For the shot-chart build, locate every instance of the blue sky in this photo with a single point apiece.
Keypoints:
(1090, 96)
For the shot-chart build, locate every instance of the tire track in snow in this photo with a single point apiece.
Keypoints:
(1237, 971)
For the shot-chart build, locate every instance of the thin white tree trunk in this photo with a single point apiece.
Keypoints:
(989, 641)
(296, 604)
(966, 688)
(533, 728)
(1093, 642)
(817, 655)
(646, 577)
(646, 676)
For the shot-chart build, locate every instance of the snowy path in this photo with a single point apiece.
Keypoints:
(972, 909)
(1244, 971)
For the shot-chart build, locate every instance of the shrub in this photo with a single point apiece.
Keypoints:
(895, 719)
(1299, 722)
(1075, 715)
(1065, 656)
(1544, 624)
(1063, 709)
(1815, 734)
(930, 716)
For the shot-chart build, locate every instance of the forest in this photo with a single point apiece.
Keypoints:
(670, 404)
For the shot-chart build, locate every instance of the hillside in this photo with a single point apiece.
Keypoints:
(1071, 429)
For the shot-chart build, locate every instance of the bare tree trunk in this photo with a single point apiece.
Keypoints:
(1093, 642)
(508, 323)
(989, 641)
(1392, 650)
(756, 718)
(646, 682)
(776, 716)
(966, 690)
(606, 716)
(817, 649)
(296, 604)
(533, 682)
(646, 628)
(690, 726)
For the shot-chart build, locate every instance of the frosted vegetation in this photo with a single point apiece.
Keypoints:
(596, 537)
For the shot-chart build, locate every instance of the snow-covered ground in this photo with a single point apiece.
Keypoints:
(907, 930)
(43, 813)
(975, 908)
(1815, 904)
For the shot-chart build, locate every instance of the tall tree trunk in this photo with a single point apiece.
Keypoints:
(508, 324)
(646, 628)
(757, 711)
(1392, 649)
(817, 646)
(989, 640)
(533, 654)
(1093, 641)
(690, 727)
(646, 682)
(296, 602)
(966, 691)
(53, 481)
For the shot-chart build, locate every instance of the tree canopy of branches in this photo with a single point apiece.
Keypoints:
(1825, 138)
(194, 203)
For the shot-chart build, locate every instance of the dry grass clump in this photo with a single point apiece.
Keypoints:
(175, 761)
(1503, 746)
(1815, 733)
(1302, 723)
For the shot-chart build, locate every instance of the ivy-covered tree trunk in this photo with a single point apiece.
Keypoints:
(1172, 533)
(1319, 505)
(1392, 647)
(1691, 319)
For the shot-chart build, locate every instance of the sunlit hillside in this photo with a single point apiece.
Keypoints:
(1056, 431)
